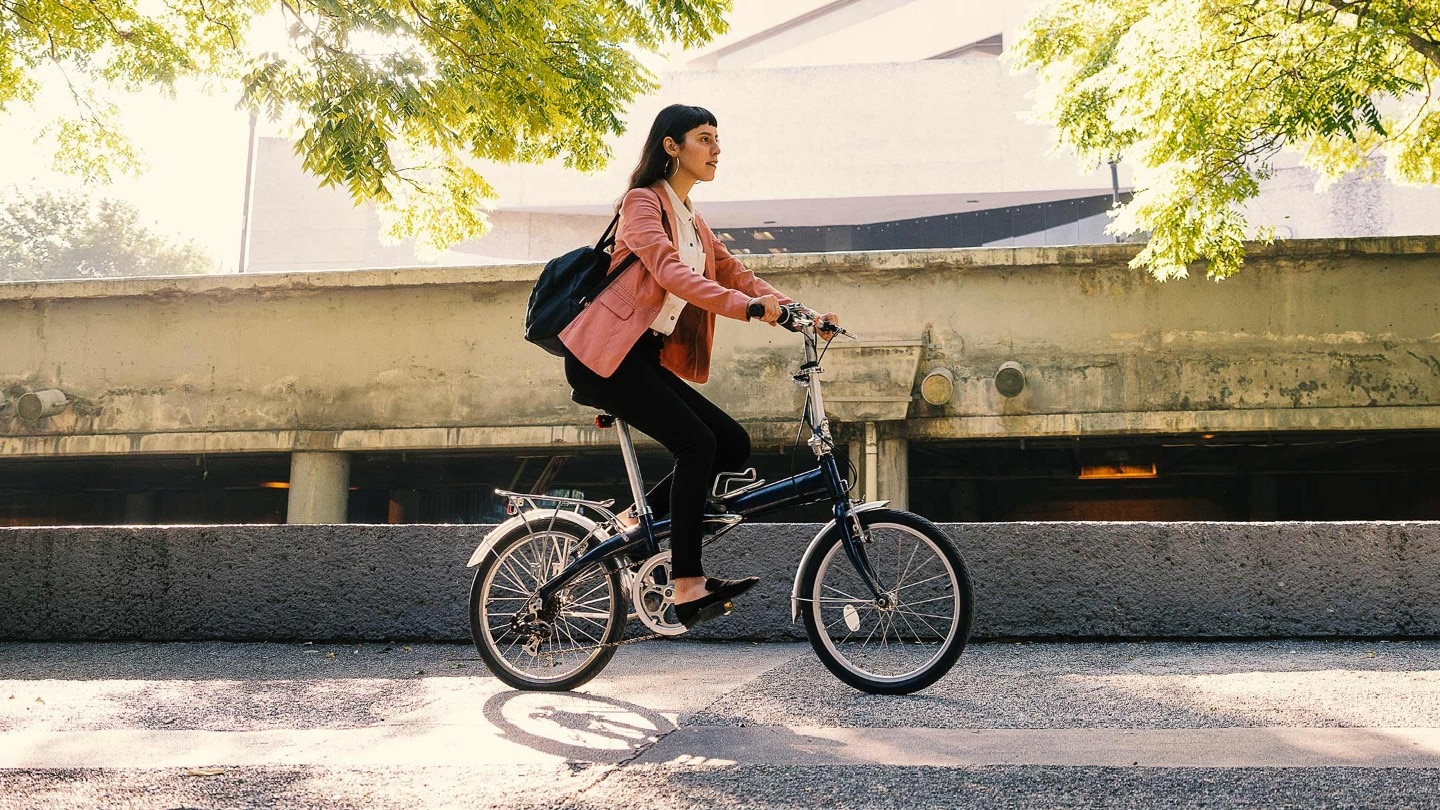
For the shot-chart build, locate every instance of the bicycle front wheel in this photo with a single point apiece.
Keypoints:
(551, 653)
(908, 637)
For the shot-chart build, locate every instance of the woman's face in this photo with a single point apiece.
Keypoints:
(699, 154)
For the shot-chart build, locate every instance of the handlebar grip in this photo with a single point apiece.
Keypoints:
(755, 310)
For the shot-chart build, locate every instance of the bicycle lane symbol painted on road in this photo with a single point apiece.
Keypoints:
(576, 726)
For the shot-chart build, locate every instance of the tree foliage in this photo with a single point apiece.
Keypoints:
(1199, 96)
(50, 235)
(392, 100)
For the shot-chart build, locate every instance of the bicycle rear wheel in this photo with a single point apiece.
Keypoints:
(555, 653)
(908, 638)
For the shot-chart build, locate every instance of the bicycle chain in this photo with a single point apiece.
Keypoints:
(620, 643)
(637, 639)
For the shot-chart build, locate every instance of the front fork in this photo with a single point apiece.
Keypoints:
(852, 534)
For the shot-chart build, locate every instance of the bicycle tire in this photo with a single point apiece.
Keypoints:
(841, 626)
(495, 596)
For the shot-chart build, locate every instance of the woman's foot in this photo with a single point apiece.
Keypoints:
(699, 599)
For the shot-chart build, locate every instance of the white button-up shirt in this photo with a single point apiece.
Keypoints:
(692, 253)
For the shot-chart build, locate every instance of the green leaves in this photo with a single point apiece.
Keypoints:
(391, 100)
(1198, 96)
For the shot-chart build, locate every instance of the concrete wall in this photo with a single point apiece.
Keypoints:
(1082, 580)
(1313, 335)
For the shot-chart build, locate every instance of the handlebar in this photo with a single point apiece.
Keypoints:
(796, 317)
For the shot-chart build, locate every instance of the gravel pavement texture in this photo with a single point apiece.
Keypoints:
(1122, 685)
(165, 726)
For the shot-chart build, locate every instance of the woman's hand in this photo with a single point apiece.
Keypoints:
(828, 325)
(772, 308)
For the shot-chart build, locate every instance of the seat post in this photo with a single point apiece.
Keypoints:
(632, 468)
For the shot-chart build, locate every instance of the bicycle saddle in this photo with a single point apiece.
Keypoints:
(580, 399)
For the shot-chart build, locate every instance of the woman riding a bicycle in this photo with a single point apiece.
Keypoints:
(632, 349)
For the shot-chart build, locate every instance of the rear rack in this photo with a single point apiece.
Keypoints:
(516, 502)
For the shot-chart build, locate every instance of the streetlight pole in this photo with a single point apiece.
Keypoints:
(245, 210)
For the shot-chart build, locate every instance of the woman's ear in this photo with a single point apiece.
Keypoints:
(668, 144)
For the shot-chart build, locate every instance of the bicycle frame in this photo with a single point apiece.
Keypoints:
(825, 482)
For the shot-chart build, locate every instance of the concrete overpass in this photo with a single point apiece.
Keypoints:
(1314, 335)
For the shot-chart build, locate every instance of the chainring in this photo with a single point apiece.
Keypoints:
(653, 593)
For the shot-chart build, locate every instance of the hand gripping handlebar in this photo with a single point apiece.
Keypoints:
(796, 317)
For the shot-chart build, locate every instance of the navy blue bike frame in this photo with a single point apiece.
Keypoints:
(822, 483)
(825, 482)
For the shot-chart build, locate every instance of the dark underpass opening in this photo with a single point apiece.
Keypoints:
(1324, 476)
(1226, 477)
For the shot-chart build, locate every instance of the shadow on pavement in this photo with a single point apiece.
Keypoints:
(579, 727)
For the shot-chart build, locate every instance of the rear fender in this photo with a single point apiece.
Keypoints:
(537, 520)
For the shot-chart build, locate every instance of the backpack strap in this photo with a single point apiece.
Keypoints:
(607, 239)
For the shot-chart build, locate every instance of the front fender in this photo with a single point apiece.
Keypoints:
(810, 551)
(537, 519)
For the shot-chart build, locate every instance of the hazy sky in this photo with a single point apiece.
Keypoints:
(194, 151)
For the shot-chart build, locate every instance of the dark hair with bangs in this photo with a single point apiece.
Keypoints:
(673, 121)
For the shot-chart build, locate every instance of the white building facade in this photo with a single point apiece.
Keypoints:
(846, 125)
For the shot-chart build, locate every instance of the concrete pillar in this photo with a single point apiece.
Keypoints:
(882, 468)
(893, 473)
(870, 468)
(856, 453)
(319, 487)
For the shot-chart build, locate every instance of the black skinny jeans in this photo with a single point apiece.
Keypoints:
(704, 439)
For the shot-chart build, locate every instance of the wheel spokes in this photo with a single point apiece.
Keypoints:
(896, 635)
(582, 620)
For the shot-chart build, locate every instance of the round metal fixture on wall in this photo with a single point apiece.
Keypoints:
(938, 386)
(39, 404)
(1010, 379)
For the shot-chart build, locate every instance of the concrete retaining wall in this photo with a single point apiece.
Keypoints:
(1082, 580)
(1314, 335)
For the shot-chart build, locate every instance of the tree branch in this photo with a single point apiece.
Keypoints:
(15, 9)
(435, 28)
(205, 12)
(100, 12)
(1428, 48)
(314, 35)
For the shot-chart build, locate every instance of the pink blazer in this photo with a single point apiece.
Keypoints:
(608, 328)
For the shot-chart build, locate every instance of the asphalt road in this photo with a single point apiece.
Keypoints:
(1302, 724)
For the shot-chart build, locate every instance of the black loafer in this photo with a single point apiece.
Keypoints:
(714, 604)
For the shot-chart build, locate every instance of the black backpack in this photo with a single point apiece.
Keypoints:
(566, 285)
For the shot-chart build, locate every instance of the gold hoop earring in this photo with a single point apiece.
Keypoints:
(670, 166)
